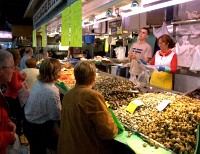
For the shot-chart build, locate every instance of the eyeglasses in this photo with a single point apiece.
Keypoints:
(11, 67)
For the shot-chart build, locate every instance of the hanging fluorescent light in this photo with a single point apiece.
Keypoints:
(139, 10)
(97, 21)
(149, 1)
(125, 7)
(102, 15)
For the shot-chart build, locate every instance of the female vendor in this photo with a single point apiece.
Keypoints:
(165, 62)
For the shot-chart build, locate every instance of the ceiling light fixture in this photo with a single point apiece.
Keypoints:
(139, 10)
(135, 4)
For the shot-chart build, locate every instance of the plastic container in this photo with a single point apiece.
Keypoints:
(113, 70)
(89, 39)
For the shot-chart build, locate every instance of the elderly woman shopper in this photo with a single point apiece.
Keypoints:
(42, 110)
(16, 112)
(86, 124)
(7, 127)
(165, 62)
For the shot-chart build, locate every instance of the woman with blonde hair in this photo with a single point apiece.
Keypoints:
(42, 110)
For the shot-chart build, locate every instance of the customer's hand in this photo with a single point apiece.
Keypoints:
(24, 76)
(11, 127)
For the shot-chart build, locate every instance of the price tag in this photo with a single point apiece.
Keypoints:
(107, 104)
(163, 105)
(133, 105)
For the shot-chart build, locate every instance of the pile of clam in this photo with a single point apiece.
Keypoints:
(115, 90)
(175, 127)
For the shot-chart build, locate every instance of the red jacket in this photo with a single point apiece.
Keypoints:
(6, 136)
(14, 85)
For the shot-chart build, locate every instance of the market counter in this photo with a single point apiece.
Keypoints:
(159, 125)
(138, 145)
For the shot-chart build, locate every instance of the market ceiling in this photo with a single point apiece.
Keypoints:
(12, 13)
(20, 12)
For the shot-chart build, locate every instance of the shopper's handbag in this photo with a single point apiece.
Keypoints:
(23, 94)
(17, 147)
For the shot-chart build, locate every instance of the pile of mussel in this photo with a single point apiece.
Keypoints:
(115, 90)
(194, 94)
(174, 127)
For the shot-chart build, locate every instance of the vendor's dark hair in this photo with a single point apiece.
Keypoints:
(147, 29)
(85, 73)
(49, 70)
(167, 39)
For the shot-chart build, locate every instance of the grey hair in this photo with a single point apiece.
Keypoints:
(28, 50)
(85, 73)
(4, 56)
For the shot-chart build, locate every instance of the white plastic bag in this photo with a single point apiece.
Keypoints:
(23, 94)
(185, 52)
(196, 60)
(15, 148)
(143, 78)
(160, 31)
(120, 52)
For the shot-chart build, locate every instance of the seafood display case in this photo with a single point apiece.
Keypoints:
(170, 130)
(195, 93)
(173, 128)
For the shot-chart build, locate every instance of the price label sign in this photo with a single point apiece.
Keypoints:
(107, 104)
(133, 105)
(163, 105)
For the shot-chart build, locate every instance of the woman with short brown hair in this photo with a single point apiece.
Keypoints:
(87, 126)
(165, 62)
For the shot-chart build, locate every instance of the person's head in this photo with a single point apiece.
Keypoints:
(16, 56)
(50, 70)
(6, 66)
(165, 42)
(85, 73)
(21, 51)
(29, 51)
(41, 51)
(31, 63)
(144, 34)
(70, 48)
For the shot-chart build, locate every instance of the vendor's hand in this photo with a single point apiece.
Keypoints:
(143, 62)
(160, 68)
(11, 127)
(132, 56)
(24, 76)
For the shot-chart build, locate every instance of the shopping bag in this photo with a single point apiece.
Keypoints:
(23, 94)
(119, 126)
(161, 31)
(15, 148)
